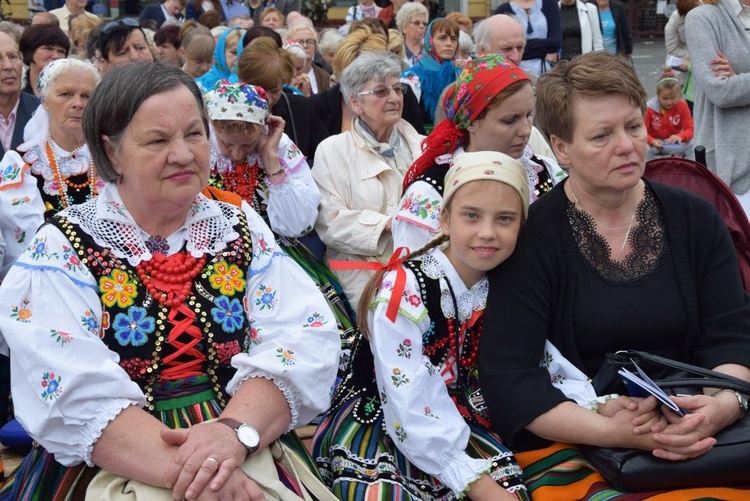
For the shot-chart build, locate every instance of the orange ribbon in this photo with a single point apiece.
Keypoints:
(393, 264)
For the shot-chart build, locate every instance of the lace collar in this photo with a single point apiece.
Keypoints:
(207, 229)
(436, 265)
(68, 163)
(224, 164)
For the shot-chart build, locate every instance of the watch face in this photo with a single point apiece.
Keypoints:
(248, 436)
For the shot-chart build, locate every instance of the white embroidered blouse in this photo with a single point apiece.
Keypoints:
(67, 384)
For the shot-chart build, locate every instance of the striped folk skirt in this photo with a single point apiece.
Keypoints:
(361, 462)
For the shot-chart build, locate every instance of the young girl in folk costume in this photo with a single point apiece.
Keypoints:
(488, 109)
(253, 158)
(418, 429)
(668, 121)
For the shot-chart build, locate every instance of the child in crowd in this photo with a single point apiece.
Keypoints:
(409, 421)
(668, 121)
(361, 10)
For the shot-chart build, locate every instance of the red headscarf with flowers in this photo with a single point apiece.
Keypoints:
(476, 87)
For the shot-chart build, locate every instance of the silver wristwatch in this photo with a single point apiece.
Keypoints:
(246, 434)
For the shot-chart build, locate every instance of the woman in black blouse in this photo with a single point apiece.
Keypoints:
(609, 261)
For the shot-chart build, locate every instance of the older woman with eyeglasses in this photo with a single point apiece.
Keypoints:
(411, 20)
(320, 79)
(122, 42)
(359, 172)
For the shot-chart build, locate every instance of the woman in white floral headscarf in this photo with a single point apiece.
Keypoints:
(252, 157)
(52, 168)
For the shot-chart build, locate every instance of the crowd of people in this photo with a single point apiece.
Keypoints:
(219, 224)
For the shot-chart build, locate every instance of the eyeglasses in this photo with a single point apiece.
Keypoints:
(125, 21)
(13, 56)
(418, 23)
(383, 92)
(305, 43)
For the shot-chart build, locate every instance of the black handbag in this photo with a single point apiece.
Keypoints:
(631, 470)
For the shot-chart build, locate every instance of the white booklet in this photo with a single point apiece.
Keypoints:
(645, 383)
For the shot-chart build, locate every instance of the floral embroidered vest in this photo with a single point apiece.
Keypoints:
(150, 337)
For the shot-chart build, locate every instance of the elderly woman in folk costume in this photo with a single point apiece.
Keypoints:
(489, 109)
(252, 157)
(151, 308)
(52, 169)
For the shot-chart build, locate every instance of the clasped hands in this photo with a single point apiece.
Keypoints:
(207, 464)
(638, 423)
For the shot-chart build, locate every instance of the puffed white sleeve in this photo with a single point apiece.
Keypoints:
(417, 219)
(419, 414)
(293, 202)
(22, 207)
(294, 336)
(67, 385)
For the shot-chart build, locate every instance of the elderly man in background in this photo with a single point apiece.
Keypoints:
(502, 33)
(45, 18)
(70, 9)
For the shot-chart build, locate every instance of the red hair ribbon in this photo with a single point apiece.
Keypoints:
(398, 258)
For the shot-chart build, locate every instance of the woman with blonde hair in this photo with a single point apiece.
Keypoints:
(307, 37)
(197, 52)
(331, 106)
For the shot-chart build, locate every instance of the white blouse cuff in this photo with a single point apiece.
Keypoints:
(461, 470)
(286, 387)
(95, 427)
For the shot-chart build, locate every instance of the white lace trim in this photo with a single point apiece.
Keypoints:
(291, 395)
(532, 171)
(68, 166)
(209, 226)
(437, 267)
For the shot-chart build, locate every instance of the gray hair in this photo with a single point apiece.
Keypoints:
(116, 100)
(465, 42)
(481, 31)
(409, 10)
(296, 50)
(54, 69)
(329, 40)
(368, 66)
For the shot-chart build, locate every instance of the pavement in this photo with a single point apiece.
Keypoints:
(649, 59)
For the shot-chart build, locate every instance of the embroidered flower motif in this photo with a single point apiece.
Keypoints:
(228, 313)
(70, 257)
(383, 397)
(10, 173)
(227, 278)
(88, 321)
(263, 248)
(225, 351)
(39, 250)
(21, 313)
(19, 235)
(266, 297)
(255, 338)
(315, 320)
(546, 359)
(116, 207)
(428, 412)
(133, 327)
(404, 348)
(414, 300)
(398, 378)
(421, 207)
(558, 379)
(61, 337)
(51, 389)
(285, 356)
(431, 369)
(105, 324)
(20, 200)
(400, 432)
(116, 288)
(370, 405)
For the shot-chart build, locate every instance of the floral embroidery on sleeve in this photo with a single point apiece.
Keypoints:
(228, 312)
(428, 413)
(420, 206)
(263, 248)
(285, 356)
(255, 338)
(315, 320)
(117, 288)
(20, 200)
(21, 313)
(19, 235)
(133, 327)
(51, 389)
(70, 257)
(61, 337)
(227, 278)
(10, 173)
(39, 250)
(398, 378)
(404, 348)
(89, 322)
(266, 297)
(400, 432)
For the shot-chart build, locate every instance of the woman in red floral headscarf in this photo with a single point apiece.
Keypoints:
(489, 109)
